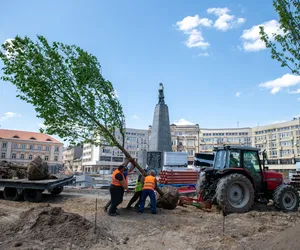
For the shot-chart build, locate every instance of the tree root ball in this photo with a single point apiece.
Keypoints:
(170, 198)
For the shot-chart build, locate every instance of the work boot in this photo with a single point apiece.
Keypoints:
(112, 214)
(117, 212)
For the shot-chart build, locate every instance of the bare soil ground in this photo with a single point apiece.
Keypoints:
(26, 225)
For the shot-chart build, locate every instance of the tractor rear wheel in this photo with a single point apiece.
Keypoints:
(235, 193)
(286, 198)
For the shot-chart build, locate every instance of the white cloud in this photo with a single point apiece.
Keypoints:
(218, 11)
(298, 99)
(285, 81)
(191, 22)
(225, 21)
(238, 94)
(9, 115)
(191, 25)
(297, 91)
(203, 54)
(196, 40)
(188, 25)
(135, 117)
(241, 20)
(183, 122)
(251, 37)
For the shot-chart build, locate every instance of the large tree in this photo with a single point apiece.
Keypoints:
(66, 88)
(285, 44)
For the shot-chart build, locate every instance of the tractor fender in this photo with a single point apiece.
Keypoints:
(227, 171)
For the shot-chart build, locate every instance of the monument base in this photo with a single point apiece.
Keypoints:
(151, 160)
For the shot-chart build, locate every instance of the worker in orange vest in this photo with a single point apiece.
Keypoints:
(117, 188)
(148, 190)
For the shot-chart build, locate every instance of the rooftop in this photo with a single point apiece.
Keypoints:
(26, 135)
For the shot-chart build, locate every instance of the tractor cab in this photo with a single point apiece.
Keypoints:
(246, 160)
(239, 177)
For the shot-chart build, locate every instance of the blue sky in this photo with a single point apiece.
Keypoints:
(207, 54)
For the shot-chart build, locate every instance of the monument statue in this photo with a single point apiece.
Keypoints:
(161, 97)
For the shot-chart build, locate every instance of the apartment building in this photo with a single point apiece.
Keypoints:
(281, 142)
(210, 138)
(185, 138)
(105, 157)
(22, 147)
(72, 158)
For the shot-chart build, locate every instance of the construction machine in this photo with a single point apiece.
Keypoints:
(239, 178)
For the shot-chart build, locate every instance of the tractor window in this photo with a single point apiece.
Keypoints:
(234, 159)
(220, 159)
(251, 162)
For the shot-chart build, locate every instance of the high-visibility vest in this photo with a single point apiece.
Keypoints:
(149, 182)
(114, 181)
(138, 185)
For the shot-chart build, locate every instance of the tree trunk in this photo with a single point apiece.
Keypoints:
(143, 172)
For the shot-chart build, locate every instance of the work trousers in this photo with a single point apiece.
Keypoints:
(145, 194)
(116, 197)
(137, 196)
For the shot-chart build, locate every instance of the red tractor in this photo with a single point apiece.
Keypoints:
(238, 178)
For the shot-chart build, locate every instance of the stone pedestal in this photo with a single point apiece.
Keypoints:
(160, 139)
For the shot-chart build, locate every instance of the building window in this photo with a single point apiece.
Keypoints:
(285, 143)
(15, 145)
(46, 157)
(31, 147)
(13, 156)
(191, 152)
(105, 158)
(4, 144)
(47, 148)
(56, 149)
(22, 156)
(190, 143)
(3, 155)
(106, 150)
(56, 158)
(39, 148)
(30, 157)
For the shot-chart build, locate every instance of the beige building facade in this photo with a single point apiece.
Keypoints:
(21, 147)
(281, 142)
(72, 158)
(210, 138)
(185, 138)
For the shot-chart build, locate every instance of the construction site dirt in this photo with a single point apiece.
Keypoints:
(68, 222)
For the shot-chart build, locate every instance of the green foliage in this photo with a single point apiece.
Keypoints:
(288, 39)
(66, 88)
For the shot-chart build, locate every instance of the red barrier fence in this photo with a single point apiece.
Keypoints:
(179, 177)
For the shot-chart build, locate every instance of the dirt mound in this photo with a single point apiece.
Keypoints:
(55, 228)
(288, 239)
(170, 198)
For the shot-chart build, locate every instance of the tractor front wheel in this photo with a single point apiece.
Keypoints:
(286, 198)
(235, 193)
